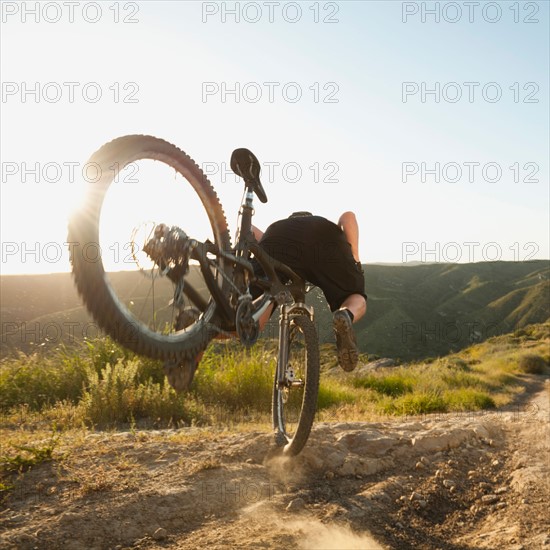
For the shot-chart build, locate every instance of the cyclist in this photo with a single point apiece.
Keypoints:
(323, 253)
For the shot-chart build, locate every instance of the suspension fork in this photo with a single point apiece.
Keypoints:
(285, 317)
(282, 354)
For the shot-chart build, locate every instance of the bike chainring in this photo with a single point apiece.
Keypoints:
(248, 329)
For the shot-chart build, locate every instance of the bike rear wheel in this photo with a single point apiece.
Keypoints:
(154, 321)
(295, 401)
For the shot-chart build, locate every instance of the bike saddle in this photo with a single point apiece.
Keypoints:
(245, 164)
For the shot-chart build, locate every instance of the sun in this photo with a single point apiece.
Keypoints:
(35, 216)
(142, 195)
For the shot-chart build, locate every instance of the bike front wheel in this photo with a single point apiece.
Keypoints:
(138, 184)
(295, 397)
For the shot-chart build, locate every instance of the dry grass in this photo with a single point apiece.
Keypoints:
(233, 390)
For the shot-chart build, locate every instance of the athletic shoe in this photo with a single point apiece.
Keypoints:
(346, 344)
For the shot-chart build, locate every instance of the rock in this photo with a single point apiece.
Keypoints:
(372, 465)
(481, 432)
(501, 490)
(422, 503)
(495, 462)
(415, 496)
(489, 499)
(434, 441)
(334, 460)
(355, 512)
(472, 473)
(501, 505)
(347, 469)
(425, 461)
(71, 516)
(314, 462)
(329, 475)
(484, 486)
(375, 365)
(296, 505)
(367, 442)
(399, 525)
(524, 501)
(160, 534)
(249, 461)
(420, 466)
(449, 483)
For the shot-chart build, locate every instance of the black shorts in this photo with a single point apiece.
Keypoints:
(318, 251)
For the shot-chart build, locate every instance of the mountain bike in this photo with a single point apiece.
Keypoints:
(183, 290)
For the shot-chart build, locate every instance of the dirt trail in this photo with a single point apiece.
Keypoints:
(442, 481)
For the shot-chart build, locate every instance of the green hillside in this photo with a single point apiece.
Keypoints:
(431, 310)
(413, 311)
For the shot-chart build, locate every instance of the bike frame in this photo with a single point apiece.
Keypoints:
(288, 295)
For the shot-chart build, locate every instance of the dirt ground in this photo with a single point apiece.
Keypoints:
(449, 481)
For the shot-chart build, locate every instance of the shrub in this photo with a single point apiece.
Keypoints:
(415, 403)
(390, 384)
(333, 394)
(40, 380)
(532, 363)
(468, 399)
(115, 395)
(236, 380)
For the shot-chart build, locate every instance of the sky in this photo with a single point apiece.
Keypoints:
(429, 120)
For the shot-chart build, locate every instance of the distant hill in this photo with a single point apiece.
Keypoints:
(414, 311)
(429, 310)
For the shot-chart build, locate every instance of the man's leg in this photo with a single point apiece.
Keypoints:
(351, 310)
(356, 304)
(353, 307)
